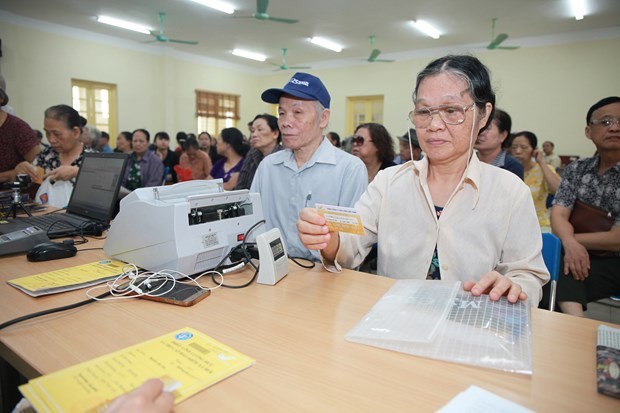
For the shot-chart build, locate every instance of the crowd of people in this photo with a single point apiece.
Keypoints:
(464, 199)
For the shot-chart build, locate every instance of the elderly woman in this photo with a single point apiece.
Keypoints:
(144, 169)
(373, 144)
(447, 216)
(265, 139)
(539, 176)
(123, 142)
(61, 161)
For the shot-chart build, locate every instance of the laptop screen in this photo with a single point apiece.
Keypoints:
(96, 188)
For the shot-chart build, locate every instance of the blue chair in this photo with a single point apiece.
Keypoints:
(166, 172)
(552, 251)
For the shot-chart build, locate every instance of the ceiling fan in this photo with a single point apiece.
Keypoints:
(160, 35)
(284, 66)
(496, 41)
(374, 54)
(261, 14)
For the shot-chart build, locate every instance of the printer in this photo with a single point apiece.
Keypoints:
(188, 227)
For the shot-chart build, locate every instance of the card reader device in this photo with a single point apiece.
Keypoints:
(272, 256)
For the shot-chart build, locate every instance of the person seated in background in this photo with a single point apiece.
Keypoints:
(309, 169)
(104, 143)
(90, 137)
(181, 138)
(409, 149)
(232, 148)
(373, 144)
(265, 139)
(334, 138)
(144, 169)
(123, 142)
(550, 157)
(448, 216)
(61, 162)
(207, 145)
(591, 264)
(168, 157)
(195, 160)
(489, 144)
(19, 145)
(540, 177)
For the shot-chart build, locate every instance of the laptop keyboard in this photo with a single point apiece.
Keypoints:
(56, 223)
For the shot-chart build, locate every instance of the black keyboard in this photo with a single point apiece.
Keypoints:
(56, 223)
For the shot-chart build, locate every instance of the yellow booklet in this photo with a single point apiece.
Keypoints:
(67, 279)
(187, 360)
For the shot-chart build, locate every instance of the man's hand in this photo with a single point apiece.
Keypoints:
(148, 398)
(496, 285)
(576, 259)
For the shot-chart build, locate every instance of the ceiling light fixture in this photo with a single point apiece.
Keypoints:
(123, 24)
(426, 28)
(217, 5)
(249, 55)
(328, 44)
(579, 8)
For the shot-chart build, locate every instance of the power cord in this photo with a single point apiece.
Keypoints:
(52, 310)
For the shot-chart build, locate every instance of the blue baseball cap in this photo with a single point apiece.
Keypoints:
(303, 86)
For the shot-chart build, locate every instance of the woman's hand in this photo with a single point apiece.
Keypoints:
(62, 173)
(148, 398)
(496, 285)
(314, 234)
(539, 156)
(27, 168)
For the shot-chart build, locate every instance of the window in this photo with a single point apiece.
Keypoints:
(363, 109)
(97, 103)
(216, 111)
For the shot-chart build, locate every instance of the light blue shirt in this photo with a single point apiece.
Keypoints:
(331, 177)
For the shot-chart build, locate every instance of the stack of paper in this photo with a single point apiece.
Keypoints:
(68, 279)
(186, 360)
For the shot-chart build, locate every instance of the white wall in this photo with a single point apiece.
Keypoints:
(546, 90)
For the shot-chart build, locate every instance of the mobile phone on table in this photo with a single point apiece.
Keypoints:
(168, 291)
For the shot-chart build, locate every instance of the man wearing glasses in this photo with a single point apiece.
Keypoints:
(591, 255)
(310, 169)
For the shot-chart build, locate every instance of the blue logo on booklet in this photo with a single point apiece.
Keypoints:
(184, 336)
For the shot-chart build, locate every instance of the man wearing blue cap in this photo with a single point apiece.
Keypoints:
(310, 169)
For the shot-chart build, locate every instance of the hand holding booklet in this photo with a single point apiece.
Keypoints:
(186, 360)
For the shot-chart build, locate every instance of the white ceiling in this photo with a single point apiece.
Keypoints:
(464, 24)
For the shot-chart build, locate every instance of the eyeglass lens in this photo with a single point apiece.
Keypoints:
(357, 140)
(452, 115)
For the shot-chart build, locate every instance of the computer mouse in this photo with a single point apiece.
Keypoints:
(51, 251)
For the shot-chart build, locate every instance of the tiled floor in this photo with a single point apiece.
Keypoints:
(605, 310)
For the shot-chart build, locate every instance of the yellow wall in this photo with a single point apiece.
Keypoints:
(546, 90)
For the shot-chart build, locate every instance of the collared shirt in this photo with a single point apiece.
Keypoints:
(489, 223)
(250, 164)
(509, 163)
(581, 180)
(331, 177)
(151, 169)
(553, 160)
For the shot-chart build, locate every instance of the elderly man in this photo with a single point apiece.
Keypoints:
(591, 268)
(310, 169)
(408, 152)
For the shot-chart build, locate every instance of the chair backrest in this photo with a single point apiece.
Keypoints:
(552, 251)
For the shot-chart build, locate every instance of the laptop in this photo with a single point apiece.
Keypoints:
(92, 202)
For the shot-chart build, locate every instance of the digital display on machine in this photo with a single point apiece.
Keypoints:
(277, 249)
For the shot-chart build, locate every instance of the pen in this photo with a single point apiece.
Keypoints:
(308, 198)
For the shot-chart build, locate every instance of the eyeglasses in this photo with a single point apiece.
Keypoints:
(450, 114)
(357, 140)
(605, 122)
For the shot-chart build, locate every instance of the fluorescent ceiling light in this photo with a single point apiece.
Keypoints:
(123, 24)
(249, 55)
(579, 8)
(426, 28)
(326, 44)
(217, 5)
